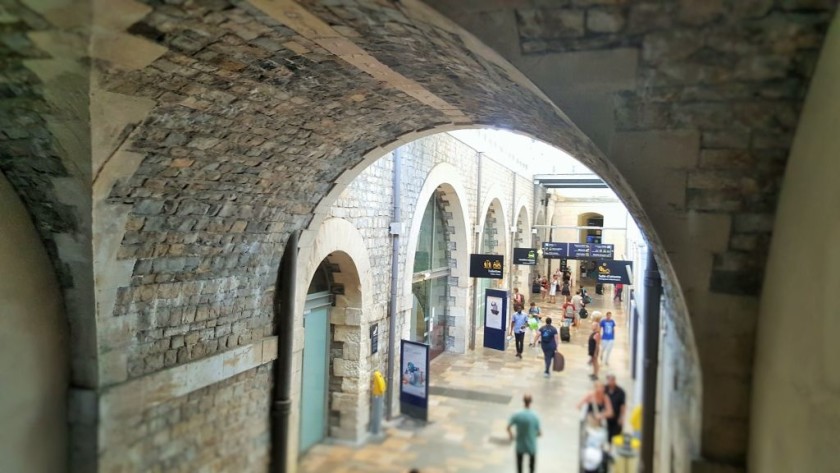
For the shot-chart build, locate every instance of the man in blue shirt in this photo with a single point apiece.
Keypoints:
(518, 324)
(527, 430)
(607, 338)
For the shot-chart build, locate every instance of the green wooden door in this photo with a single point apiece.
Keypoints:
(313, 404)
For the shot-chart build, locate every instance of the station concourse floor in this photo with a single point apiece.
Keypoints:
(472, 397)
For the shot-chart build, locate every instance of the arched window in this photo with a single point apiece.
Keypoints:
(431, 279)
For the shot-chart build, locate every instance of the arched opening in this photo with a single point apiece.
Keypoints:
(315, 370)
(431, 274)
(33, 347)
(590, 231)
(444, 189)
(522, 238)
(491, 240)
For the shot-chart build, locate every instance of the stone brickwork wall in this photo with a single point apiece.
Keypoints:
(223, 427)
(695, 101)
(231, 121)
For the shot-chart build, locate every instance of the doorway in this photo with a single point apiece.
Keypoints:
(315, 375)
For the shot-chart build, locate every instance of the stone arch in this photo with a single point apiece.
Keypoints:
(339, 244)
(443, 179)
(493, 208)
(522, 237)
(33, 347)
(508, 101)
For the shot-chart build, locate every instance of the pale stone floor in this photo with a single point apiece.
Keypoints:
(468, 435)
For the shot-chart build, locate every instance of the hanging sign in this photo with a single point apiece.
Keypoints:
(615, 271)
(495, 318)
(554, 250)
(525, 256)
(414, 379)
(487, 266)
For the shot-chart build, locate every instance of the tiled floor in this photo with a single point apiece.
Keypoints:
(468, 435)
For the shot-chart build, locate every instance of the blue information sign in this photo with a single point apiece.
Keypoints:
(615, 271)
(495, 318)
(554, 250)
(601, 251)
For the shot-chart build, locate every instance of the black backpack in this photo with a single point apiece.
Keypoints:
(583, 313)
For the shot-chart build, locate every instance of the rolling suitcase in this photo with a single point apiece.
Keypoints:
(559, 362)
(565, 334)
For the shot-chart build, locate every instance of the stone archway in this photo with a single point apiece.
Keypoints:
(33, 348)
(522, 238)
(339, 245)
(443, 182)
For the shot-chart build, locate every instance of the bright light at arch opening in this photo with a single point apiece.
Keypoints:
(530, 157)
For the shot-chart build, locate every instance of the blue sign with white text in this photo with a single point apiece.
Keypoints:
(555, 250)
(615, 271)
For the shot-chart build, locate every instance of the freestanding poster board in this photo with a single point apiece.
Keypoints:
(414, 379)
(495, 318)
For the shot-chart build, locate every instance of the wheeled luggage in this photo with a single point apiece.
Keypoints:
(559, 362)
(565, 334)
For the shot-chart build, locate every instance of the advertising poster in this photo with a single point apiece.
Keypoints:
(493, 312)
(414, 371)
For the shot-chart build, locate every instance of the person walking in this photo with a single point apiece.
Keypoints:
(594, 346)
(569, 312)
(518, 324)
(552, 289)
(543, 287)
(527, 426)
(518, 298)
(534, 317)
(619, 289)
(548, 337)
(596, 437)
(566, 289)
(618, 401)
(607, 337)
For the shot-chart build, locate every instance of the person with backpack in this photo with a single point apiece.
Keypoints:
(548, 338)
(566, 290)
(584, 295)
(569, 312)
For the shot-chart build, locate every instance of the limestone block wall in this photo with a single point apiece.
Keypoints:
(797, 383)
(232, 121)
(695, 102)
(222, 427)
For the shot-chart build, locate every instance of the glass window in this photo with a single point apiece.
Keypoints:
(431, 293)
